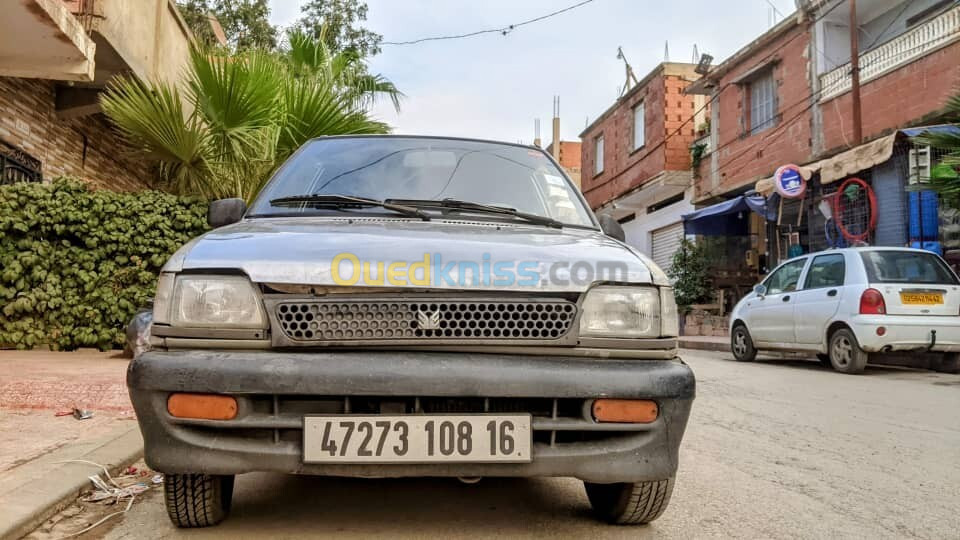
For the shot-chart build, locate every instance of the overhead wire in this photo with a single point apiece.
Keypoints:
(504, 30)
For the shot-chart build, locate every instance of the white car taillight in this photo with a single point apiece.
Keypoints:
(872, 303)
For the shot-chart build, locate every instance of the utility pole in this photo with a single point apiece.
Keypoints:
(855, 73)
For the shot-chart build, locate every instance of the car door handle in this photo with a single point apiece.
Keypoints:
(786, 298)
(832, 292)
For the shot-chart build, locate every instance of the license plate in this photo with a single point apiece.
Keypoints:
(477, 438)
(921, 298)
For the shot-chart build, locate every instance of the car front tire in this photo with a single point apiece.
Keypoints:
(197, 500)
(633, 503)
(846, 356)
(741, 344)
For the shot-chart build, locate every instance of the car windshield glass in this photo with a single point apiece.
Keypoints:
(382, 168)
(906, 267)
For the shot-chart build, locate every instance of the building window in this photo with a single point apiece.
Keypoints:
(598, 155)
(763, 102)
(638, 126)
(18, 166)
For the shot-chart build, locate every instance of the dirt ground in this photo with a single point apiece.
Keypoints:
(36, 385)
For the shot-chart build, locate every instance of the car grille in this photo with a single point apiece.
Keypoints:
(367, 320)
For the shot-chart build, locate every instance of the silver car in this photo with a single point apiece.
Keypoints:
(413, 306)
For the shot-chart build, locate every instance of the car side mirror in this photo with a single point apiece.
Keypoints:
(225, 211)
(611, 227)
(760, 290)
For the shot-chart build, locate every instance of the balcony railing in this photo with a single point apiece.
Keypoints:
(900, 50)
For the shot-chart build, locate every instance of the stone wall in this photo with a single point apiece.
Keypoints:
(86, 148)
(702, 323)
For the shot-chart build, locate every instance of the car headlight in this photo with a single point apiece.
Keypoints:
(207, 301)
(629, 312)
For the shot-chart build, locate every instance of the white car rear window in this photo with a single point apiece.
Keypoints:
(907, 267)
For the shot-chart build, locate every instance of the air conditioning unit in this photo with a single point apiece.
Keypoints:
(918, 163)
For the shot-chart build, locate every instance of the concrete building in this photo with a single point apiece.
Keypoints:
(636, 159)
(56, 56)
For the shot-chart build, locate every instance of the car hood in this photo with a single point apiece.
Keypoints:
(302, 250)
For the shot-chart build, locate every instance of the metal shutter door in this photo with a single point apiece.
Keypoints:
(664, 242)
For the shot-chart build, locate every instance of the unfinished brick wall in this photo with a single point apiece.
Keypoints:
(909, 95)
(86, 148)
(666, 108)
(741, 158)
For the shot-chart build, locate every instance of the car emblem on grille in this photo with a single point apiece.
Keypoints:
(428, 321)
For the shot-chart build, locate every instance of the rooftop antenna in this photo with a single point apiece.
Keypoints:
(631, 76)
(666, 51)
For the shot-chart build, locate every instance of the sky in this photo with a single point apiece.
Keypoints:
(493, 86)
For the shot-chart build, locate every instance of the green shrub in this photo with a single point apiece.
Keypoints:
(688, 270)
(76, 264)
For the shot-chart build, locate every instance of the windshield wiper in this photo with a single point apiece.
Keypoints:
(346, 201)
(467, 206)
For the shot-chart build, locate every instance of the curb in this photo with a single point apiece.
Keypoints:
(33, 492)
(703, 345)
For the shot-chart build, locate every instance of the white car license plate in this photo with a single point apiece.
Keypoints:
(475, 438)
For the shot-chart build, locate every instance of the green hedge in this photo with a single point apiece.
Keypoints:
(76, 263)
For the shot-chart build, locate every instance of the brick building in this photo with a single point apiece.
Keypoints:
(56, 56)
(568, 156)
(785, 98)
(636, 159)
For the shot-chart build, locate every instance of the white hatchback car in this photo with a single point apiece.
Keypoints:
(845, 304)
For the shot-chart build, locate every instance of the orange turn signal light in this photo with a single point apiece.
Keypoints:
(202, 406)
(634, 411)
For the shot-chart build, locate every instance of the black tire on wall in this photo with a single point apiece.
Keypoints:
(197, 500)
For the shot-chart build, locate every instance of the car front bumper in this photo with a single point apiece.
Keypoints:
(276, 389)
(907, 333)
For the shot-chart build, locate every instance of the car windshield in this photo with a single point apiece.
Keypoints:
(906, 267)
(424, 169)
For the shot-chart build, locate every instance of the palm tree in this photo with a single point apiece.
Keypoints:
(239, 115)
(944, 177)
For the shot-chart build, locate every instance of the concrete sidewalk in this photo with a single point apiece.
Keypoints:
(38, 471)
(705, 343)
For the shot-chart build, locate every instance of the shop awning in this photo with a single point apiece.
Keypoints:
(857, 159)
(729, 218)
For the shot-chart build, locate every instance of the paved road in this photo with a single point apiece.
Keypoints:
(774, 449)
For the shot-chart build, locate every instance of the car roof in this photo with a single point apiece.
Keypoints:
(869, 248)
(435, 137)
(856, 249)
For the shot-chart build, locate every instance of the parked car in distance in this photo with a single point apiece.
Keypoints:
(334, 329)
(848, 304)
